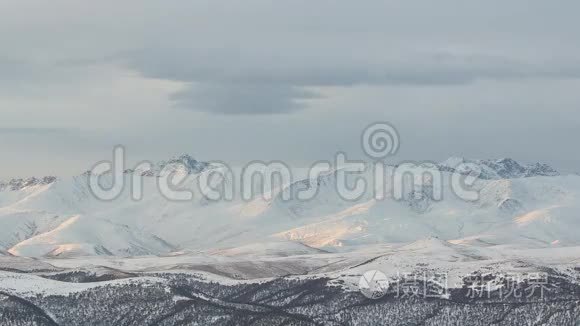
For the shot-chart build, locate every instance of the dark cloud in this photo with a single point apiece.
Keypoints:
(225, 83)
(243, 98)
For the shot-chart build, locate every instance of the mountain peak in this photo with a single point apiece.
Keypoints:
(503, 168)
(186, 161)
(510, 162)
(541, 169)
(18, 184)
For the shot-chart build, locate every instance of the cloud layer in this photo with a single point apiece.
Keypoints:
(287, 80)
(256, 84)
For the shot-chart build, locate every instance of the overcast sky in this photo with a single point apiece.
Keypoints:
(288, 80)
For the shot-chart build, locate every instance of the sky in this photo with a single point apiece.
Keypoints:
(295, 81)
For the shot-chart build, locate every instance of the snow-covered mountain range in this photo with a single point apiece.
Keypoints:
(520, 205)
